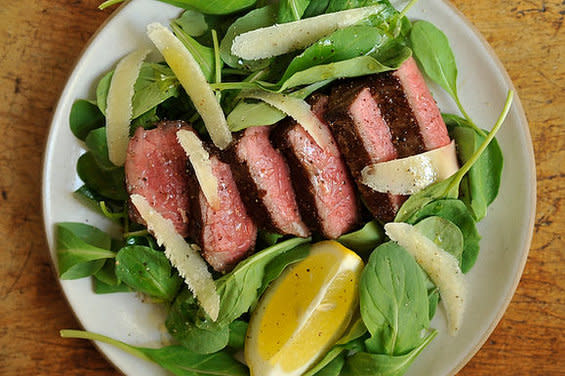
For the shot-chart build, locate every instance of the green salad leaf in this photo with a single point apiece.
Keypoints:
(81, 249)
(393, 300)
(148, 271)
(176, 359)
(85, 116)
(292, 10)
(364, 363)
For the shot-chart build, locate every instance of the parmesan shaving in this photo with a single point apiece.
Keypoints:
(119, 105)
(296, 108)
(441, 266)
(409, 175)
(280, 39)
(200, 160)
(187, 70)
(182, 256)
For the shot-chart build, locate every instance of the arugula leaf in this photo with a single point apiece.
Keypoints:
(193, 328)
(291, 10)
(393, 300)
(362, 363)
(240, 288)
(176, 359)
(457, 213)
(82, 250)
(364, 240)
(433, 53)
(148, 271)
(257, 18)
(480, 187)
(334, 367)
(444, 234)
(84, 117)
(449, 188)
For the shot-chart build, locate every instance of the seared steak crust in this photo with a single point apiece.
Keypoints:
(263, 178)
(324, 189)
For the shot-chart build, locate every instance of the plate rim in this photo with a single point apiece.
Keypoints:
(519, 109)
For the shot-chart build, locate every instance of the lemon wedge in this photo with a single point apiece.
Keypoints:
(304, 311)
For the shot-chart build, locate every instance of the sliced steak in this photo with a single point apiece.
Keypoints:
(325, 193)
(155, 168)
(263, 178)
(383, 117)
(227, 234)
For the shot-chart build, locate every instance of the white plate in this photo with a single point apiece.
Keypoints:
(506, 230)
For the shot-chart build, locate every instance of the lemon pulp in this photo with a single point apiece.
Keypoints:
(304, 312)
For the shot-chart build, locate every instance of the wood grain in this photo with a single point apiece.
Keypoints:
(39, 43)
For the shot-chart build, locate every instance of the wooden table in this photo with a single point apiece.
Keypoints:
(39, 43)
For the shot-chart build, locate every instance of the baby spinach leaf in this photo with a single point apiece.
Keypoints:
(104, 288)
(81, 249)
(96, 143)
(291, 10)
(84, 117)
(480, 186)
(351, 339)
(449, 188)
(176, 359)
(364, 364)
(192, 327)
(106, 181)
(111, 209)
(364, 240)
(238, 329)
(255, 19)
(433, 53)
(444, 234)
(393, 300)
(333, 368)
(239, 289)
(457, 213)
(192, 22)
(342, 44)
(107, 274)
(155, 84)
(148, 271)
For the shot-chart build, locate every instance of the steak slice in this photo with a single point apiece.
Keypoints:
(263, 177)
(155, 168)
(227, 234)
(383, 117)
(325, 192)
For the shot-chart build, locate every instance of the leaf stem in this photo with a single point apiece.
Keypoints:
(109, 3)
(467, 166)
(466, 116)
(217, 62)
(82, 334)
(407, 7)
